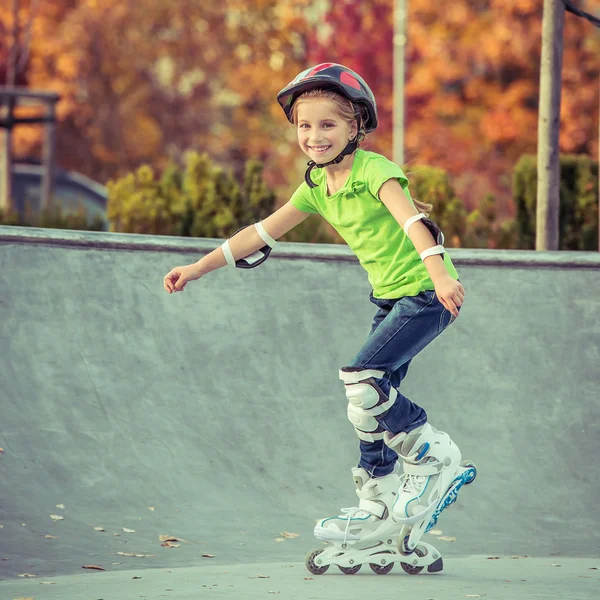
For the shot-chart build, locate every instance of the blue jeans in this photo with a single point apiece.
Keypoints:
(401, 329)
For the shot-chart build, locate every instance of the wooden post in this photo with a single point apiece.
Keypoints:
(548, 156)
(400, 38)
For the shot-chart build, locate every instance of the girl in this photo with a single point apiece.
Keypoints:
(365, 197)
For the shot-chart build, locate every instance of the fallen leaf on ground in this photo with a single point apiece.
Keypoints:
(23, 599)
(525, 556)
(259, 577)
(593, 569)
(151, 508)
(170, 545)
(436, 532)
(51, 537)
(94, 567)
(56, 518)
(288, 535)
(207, 555)
(273, 592)
(99, 529)
(309, 579)
(447, 538)
(128, 530)
(278, 539)
(47, 582)
(493, 558)
(171, 538)
(136, 577)
(135, 555)
(26, 575)
(61, 506)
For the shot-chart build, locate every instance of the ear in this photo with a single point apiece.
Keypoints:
(353, 130)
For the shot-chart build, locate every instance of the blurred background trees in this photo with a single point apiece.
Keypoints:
(145, 82)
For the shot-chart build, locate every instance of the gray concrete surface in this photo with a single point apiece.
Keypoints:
(473, 577)
(220, 410)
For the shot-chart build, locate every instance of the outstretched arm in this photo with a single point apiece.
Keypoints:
(241, 245)
(449, 291)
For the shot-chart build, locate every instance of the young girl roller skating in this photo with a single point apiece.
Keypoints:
(365, 198)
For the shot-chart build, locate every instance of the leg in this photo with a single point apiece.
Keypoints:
(410, 324)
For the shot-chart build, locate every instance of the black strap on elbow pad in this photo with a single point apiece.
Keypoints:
(434, 229)
(256, 258)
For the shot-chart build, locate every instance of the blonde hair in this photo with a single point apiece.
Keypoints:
(350, 112)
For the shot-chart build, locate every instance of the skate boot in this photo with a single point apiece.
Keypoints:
(365, 533)
(433, 475)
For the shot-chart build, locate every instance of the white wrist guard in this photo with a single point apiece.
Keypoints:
(435, 231)
(256, 258)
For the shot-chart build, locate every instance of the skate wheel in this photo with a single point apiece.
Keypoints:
(312, 566)
(381, 569)
(467, 464)
(411, 569)
(350, 570)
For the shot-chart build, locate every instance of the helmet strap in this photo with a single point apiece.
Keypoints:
(351, 146)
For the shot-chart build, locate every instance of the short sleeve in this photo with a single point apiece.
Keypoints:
(378, 170)
(301, 200)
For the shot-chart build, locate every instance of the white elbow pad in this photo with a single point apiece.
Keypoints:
(435, 231)
(256, 258)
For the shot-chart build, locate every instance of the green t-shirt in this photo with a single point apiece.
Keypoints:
(390, 259)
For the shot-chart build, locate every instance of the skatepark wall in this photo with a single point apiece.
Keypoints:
(217, 416)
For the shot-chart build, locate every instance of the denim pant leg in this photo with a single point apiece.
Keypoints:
(401, 329)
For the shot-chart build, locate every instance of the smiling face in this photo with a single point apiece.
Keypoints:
(322, 132)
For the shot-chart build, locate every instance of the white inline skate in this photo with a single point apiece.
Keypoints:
(433, 475)
(367, 533)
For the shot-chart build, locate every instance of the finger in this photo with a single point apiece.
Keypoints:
(180, 283)
(452, 307)
(167, 286)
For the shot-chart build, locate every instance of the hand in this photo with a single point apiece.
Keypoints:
(176, 279)
(450, 293)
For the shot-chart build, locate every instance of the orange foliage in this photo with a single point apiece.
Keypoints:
(143, 81)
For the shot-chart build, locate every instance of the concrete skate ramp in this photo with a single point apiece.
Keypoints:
(216, 415)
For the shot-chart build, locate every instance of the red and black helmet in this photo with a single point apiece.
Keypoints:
(337, 78)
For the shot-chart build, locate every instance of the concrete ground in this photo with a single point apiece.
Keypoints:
(469, 577)
(215, 419)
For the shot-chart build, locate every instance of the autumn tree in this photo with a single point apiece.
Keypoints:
(472, 82)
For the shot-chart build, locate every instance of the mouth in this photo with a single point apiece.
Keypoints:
(319, 149)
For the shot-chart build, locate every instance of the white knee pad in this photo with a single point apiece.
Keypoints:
(366, 401)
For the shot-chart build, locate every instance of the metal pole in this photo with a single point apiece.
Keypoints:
(400, 39)
(48, 156)
(548, 156)
(11, 78)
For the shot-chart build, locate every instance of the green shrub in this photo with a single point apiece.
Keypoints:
(54, 217)
(578, 211)
(200, 200)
